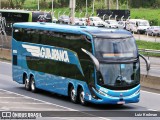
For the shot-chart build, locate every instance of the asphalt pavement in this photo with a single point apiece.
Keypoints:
(154, 69)
(15, 98)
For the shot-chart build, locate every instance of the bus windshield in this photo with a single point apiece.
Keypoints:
(119, 76)
(115, 49)
(119, 67)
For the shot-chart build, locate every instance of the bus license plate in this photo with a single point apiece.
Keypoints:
(121, 102)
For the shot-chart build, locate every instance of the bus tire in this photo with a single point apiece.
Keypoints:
(26, 83)
(72, 95)
(81, 97)
(33, 86)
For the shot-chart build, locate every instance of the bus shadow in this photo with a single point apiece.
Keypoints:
(88, 106)
(48, 94)
(110, 107)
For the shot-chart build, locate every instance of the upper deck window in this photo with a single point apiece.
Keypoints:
(115, 48)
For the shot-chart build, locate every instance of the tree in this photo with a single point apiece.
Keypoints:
(16, 3)
(82, 3)
(19, 3)
(11, 3)
(145, 3)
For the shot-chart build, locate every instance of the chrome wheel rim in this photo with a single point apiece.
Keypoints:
(26, 83)
(73, 95)
(82, 97)
(33, 85)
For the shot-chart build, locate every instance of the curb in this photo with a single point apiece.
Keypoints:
(5, 54)
(150, 82)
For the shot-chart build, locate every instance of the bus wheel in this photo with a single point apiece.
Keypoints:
(33, 87)
(27, 83)
(81, 97)
(72, 95)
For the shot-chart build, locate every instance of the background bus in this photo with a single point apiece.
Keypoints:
(13, 16)
(88, 64)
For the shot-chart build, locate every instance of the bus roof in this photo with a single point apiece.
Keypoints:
(95, 31)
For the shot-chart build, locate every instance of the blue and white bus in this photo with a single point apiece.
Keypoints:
(88, 64)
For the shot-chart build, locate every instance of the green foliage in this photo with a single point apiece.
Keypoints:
(149, 45)
(61, 11)
(15, 3)
(145, 3)
(82, 3)
(60, 3)
(153, 15)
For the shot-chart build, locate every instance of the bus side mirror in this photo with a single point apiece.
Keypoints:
(147, 62)
(94, 59)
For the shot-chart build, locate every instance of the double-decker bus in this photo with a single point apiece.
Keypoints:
(88, 64)
(13, 16)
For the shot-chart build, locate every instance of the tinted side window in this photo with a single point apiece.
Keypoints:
(73, 42)
(54, 67)
(14, 59)
(18, 34)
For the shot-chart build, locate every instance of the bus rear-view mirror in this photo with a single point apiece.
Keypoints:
(147, 62)
(93, 58)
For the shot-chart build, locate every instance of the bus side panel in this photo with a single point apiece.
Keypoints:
(17, 71)
(51, 83)
(61, 85)
(58, 84)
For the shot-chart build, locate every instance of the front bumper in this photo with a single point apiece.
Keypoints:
(104, 98)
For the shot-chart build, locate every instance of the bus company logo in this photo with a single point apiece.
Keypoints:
(48, 53)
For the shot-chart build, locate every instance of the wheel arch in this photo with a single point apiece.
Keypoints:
(69, 87)
(79, 87)
(30, 76)
(24, 74)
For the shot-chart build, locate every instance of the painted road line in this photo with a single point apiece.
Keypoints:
(40, 100)
(23, 103)
(150, 92)
(5, 62)
(10, 97)
(29, 109)
(152, 110)
(53, 104)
